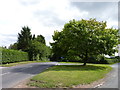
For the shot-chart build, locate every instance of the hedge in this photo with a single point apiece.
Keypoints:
(11, 56)
(104, 60)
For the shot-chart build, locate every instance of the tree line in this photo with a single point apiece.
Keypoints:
(81, 40)
(35, 46)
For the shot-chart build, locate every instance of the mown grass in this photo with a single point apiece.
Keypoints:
(19, 63)
(72, 62)
(69, 75)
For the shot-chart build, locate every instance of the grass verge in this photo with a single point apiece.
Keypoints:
(69, 75)
(19, 63)
(72, 62)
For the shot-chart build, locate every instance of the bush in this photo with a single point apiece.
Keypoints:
(11, 56)
(112, 60)
(104, 60)
(100, 59)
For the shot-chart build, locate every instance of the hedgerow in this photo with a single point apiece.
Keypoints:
(11, 56)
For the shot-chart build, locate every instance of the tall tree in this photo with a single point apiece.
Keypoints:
(24, 39)
(41, 39)
(84, 38)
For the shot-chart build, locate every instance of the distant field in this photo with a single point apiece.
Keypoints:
(69, 75)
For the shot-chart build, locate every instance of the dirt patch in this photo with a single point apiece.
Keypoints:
(92, 85)
(23, 84)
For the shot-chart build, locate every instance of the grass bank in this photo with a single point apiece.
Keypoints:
(19, 63)
(69, 76)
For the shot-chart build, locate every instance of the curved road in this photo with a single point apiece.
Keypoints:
(112, 80)
(13, 75)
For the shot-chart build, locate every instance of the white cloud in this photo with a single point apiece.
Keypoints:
(42, 16)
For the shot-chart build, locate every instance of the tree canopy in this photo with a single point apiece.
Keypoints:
(34, 45)
(24, 39)
(41, 39)
(38, 50)
(13, 46)
(84, 38)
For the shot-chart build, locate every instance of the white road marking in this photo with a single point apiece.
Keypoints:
(4, 73)
(2, 67)
(57, 64)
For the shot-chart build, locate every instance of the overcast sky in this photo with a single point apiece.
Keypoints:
(44, 17)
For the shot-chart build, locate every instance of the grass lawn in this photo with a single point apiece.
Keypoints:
(72, 62)
(63, 76)
(19, 63)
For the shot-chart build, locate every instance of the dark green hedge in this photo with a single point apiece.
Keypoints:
(104, 60)
(11, 56)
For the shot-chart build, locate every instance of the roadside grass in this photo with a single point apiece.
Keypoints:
(72, 62)
(20, 63)
(79, 63)
(67, 76)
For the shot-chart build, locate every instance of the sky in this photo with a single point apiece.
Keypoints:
(45, 16)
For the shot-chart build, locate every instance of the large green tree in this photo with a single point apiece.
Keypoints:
(84, 38)
(24, 39)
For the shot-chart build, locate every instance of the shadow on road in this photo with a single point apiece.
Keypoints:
(34, 69)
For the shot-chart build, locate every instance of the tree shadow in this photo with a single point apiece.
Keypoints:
(36, 69)
(77, 68)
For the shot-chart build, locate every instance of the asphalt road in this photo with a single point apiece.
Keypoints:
(13, 75)
(112, 80)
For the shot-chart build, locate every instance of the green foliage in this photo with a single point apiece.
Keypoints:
(84, 38)
(24, 39)
(41, 39)
(35, 46)
(11, 56)
(100, 59)
(38, 51)
(13, 46)
(112, 60)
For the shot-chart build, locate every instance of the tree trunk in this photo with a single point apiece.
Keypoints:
(84, 63)
(85, 59)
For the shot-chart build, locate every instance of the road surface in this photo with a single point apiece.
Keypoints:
(13, 75)
(112, 80)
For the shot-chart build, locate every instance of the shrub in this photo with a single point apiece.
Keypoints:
(11, 56)
(112, 60)
(104, 60)
(100, 59)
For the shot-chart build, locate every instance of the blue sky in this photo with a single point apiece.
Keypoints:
(44, 17)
